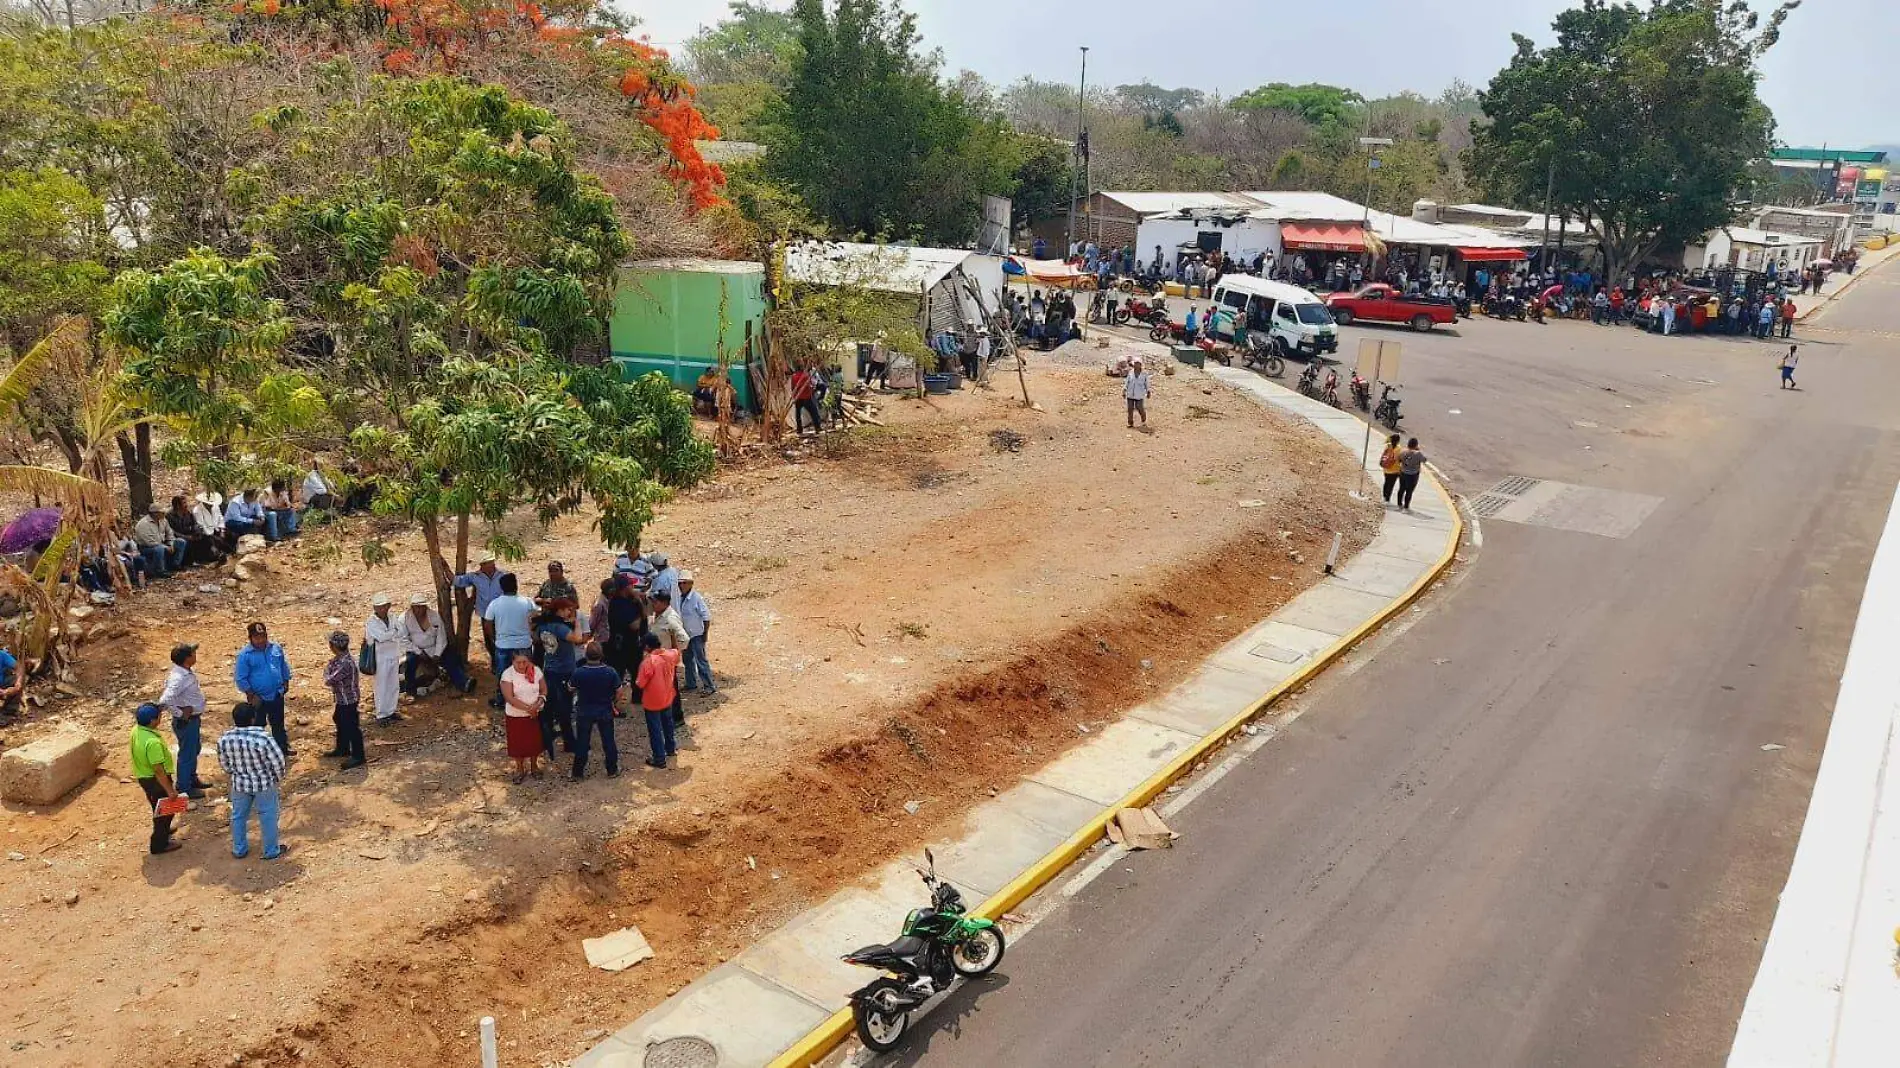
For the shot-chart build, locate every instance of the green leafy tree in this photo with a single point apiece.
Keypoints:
(870, 137)
(1328, 107)
(1643, 121)
(490, 437)
(51, 227)
(755, 43)
(203, 337)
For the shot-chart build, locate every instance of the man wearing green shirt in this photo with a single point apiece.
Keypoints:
(152, 767)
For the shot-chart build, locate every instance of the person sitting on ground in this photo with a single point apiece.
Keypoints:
(318, 494)
(201, 545)
(243, 515)
(282, 508)
(706, 393)
(164, 551)
(428, 643)
(12, 688)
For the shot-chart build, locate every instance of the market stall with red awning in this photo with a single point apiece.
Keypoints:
(1323, 237)
(1491, 255)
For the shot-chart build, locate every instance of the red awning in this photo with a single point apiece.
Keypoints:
(1491, 255)
(1326, 237)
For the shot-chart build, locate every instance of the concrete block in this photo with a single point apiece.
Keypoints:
(748, 1019)
(1216, 692)
(1375, 572)
(1056, 810)
(1422, 543)
(41, 772)
(802, 956)
(1116, 761)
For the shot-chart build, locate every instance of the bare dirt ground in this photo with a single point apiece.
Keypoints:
(909, 613)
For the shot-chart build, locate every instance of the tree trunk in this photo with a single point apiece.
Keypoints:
(136, 455)
(465, 604)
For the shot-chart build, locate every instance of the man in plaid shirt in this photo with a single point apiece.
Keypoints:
(254, 768)
(340, 676)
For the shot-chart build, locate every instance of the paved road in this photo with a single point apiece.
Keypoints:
(1535, 827)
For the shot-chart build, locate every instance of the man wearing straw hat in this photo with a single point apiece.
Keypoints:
(384, 634)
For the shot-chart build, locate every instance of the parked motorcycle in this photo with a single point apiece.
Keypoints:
(1142, 310)
(938, 945)
(1388, 410)
(1505, 306)
(1262, 353)
(1309, 381)
(1361, 393)
(1330, 392)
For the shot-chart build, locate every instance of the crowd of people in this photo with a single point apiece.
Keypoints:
(562, 679)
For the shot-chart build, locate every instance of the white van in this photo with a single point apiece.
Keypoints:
(1293, 317)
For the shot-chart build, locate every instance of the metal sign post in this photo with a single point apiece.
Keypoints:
(1377, 357)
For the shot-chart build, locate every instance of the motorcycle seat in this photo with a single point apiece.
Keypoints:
(905, 946)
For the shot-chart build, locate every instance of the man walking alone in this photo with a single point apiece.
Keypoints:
(1135, 391)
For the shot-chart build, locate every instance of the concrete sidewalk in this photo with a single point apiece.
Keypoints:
(1806, 304)
(1827, 994)
(788, 990)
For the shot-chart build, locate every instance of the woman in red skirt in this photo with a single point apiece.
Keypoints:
(524, 689)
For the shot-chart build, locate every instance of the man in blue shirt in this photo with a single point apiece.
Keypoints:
(263, 677)
(559, 637)
(244, 515)
(12, 687)
(512, 617)
(485, 582)
(595, 687)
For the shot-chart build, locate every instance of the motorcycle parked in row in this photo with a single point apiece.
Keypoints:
(1388, 410)
(1361, 393)
(1141, 310)
(938, 945)
(1330, 392)
(1309, 381)
(1504, 306)
(1263, 353)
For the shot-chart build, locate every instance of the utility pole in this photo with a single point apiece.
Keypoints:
(1081, 149)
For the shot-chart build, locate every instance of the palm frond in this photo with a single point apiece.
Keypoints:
(46, 572)
(75, 490)
(25, 372)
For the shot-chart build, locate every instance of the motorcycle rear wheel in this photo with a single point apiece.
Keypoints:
(1275, 365)
(989, 945)
(881, 1024)
(1160, 334)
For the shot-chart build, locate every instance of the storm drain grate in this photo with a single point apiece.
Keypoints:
(1489, 505)
(686, 1051)
(1515, 486)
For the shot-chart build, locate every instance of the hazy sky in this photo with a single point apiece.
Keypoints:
(1826, 81)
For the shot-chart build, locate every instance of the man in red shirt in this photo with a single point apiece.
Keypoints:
(655, 682)
(805, 399)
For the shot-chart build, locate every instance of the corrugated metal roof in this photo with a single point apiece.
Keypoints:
(1312, 206)
(1171, 203)
(697, 265)
(887, 268)
(1748, 235)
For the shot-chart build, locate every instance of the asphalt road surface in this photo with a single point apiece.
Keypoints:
(1535, 826)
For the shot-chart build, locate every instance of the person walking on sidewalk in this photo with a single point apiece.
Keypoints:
(254, 766)
(1389, 466)
(263, 677)
(186, 699)
(657, 696)
(1787, 367)
(1135, 391)
(596, 687)
(340, 676)
(1411, 464)
(152, 767)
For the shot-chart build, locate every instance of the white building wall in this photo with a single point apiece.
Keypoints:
(1245, 239)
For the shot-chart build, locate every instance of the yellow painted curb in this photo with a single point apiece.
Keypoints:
(827, 1036)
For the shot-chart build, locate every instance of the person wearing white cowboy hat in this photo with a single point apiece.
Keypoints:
(428, 642)
(666, 577)
(696, 616)
(384, 634)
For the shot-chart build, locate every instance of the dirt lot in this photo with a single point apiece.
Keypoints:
(911, 613)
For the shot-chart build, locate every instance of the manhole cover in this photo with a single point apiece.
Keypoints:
(686, 1051)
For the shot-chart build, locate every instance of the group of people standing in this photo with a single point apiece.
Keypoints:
(560, 678)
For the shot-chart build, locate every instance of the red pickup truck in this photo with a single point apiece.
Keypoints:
(1383, 304)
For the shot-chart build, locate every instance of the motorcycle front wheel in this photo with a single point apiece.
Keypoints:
(881, 1017)
(978, 954)
(1159, 334)
(1275, 366)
